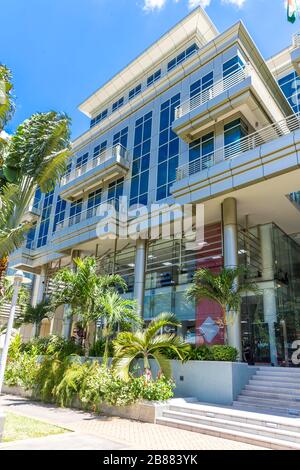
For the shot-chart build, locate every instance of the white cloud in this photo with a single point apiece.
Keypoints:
(197, 3)
(238, 3)
(151, 5)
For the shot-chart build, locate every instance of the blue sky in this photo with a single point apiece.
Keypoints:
(60, 51)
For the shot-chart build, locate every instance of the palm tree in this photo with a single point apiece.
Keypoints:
(6, 99)
(34, 157)
(81, 289)
(148, 343)
(115, 310)
(223, 289)
(35, 315)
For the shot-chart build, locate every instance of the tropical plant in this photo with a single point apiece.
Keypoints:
(34, 157)
(116, 311)
(81, 289)
(148, 343)
(53, 345)
(6, 98)
(36, 314)
(222, 288)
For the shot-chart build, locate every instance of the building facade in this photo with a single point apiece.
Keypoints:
(199, 118)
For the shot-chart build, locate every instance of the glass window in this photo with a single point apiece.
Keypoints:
(75, 212)
(117, 104)
(232, 65)
(182, 56)
(168, 148)
(60, 212)
(99, 149)
(141, 160)
(135, 91)
(121, 137)
(94, 200)
(45, 219)
(154, 77)
(202, 84)
(99, 118)
(82, 160)
(290, 87)
(233, 133)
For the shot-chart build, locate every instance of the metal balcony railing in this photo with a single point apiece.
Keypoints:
(117, 151)
(216, 89)
(296, 40)
(86, 214)
(251, 141)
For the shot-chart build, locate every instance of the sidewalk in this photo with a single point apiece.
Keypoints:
(108, 433)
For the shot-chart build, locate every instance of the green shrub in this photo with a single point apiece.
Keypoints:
(53, 344)
(97, 350)
(223, 353)
(200, 353)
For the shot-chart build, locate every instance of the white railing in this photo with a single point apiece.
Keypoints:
(251, 141)
(216, 89)
(87, 214)
(296, 40)
(118, 151)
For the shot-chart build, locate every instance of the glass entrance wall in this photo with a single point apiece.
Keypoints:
(271, 319)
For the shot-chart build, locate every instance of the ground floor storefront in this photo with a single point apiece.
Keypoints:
(159, 272)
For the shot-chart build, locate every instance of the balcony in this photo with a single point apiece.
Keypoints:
(111, 164)
(261, 155)
(295, 53)
(240, 91)
(32, 213)
(94, 223)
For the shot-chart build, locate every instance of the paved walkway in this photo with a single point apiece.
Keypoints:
(102, 432)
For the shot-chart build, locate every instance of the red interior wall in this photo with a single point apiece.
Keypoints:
(211, 257)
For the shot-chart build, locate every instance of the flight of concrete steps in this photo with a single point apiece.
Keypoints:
(275, 389)
(266, 414)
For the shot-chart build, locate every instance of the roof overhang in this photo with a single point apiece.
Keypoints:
(197, 23)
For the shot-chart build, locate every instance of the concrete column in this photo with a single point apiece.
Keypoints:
(269, 293)
(139, 274)
(38, 291)
(230, 235)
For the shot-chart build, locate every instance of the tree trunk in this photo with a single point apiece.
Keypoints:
(37, 330)
(3, 269)
(147, 369)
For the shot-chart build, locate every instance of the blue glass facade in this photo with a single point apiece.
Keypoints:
(141, 160)
(290, 85)
(168, 152)
(45, 220)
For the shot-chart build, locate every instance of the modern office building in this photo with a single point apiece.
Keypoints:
(200, 117)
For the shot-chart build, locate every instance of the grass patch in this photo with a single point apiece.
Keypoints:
(18, 427)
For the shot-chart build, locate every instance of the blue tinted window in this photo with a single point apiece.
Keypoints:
(290, 87)
(81, 161)
(45, 219)
(154, 77)
(182, 56)
(118, 104)
(232, 66)
(135, 91)
(168, 148)
(233, 133)
(141, 160)
(202, 149)
(121, 137)
(60, 211)
(99, 149)
(75, 212)
(94, 200)
(99, 118)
